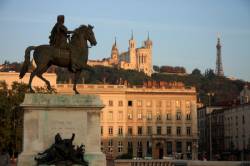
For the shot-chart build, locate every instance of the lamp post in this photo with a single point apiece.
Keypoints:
(210, 126)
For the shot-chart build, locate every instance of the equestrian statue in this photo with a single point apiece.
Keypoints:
(72, 55)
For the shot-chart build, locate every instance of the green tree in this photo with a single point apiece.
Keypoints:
(196, 72)
(156, 68)
(209, 74)
(11, 115)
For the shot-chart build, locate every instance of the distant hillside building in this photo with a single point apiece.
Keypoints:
(139, 59)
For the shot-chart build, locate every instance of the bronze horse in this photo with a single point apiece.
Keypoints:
(46, 55)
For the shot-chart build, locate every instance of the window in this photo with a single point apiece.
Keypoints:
(120, 131)
(110, 103)
(188, 115)
(149, 115)
(178, 131)
(139, 103)
(101, 130)
(149, 130)
(169, 148)
(110, 146)
(110, 143)
(130, 114)
(120, 146)
(188, 131)
(130, 130)
(158, 130)
(110, 130)
(189, 147)
(139, 130)
(168, 115)
(110, 115)
(178, 116)
(120, 103)
(139, 114)
(149, 148)
(130, 147)
(149, 103)
(139, 149)
(169, 130)
(178, 147)
(102, 147)
(158, 115)
(120, 115)
(130, 103)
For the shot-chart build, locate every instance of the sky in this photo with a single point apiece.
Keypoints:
(184, 32)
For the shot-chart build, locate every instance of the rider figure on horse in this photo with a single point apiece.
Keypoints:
(59, 36)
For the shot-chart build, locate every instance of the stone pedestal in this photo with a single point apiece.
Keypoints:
(45, 115)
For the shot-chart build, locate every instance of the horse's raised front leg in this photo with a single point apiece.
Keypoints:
(77, 76)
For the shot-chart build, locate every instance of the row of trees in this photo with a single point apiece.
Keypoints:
(207, 82)
(102, 75)
(170, 69)
(204, 82)
(7, 66)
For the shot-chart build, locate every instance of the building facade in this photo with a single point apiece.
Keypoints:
(229, 131)
(139, 59)
(237, 131)
(206, 126)
(145, 122)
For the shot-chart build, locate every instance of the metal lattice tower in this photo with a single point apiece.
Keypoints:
(219, 68)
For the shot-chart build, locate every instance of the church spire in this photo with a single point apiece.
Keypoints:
(148, 42)
(132, 34)
(114, 47)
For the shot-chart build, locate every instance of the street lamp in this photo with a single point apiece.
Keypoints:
(210, 126)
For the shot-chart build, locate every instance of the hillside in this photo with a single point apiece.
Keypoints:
(225, 90)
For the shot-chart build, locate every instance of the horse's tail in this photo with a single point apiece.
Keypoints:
(26, 62)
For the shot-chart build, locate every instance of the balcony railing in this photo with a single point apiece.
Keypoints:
(143, 163)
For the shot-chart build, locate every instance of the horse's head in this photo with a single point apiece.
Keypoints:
(89, 35)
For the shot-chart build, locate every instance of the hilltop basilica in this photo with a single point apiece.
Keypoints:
(139, 59)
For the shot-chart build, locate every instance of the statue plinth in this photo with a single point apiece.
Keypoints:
(45, 115)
